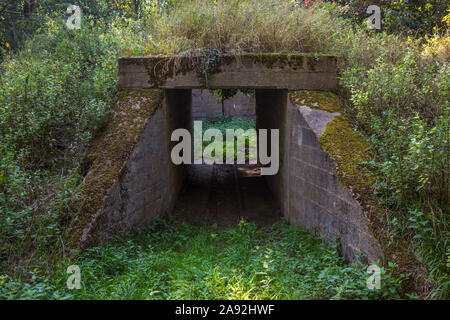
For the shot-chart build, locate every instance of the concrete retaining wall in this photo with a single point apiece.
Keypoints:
(317, 201)
(142, 193)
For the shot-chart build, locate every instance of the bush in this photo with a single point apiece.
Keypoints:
(54, 96)
(55, 93)
(400, 100)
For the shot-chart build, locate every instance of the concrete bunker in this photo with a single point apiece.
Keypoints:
(155, 98)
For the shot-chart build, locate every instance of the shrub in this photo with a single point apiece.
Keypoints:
(55, 93)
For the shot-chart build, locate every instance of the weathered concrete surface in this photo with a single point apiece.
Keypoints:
(205, 105)
(131, 180)
(225, 194)
(317, 119)
(244, 71)
(317, 200)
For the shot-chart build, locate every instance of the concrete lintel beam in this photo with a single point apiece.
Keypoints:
(243, 71)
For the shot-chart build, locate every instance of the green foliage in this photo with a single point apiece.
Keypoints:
(404, 108)
(240, 25)
(223, 123)
(55, 94)
(174, 260)
(17, 20)
(21, 19)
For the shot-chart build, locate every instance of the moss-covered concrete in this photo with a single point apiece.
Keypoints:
(108, 154)
(326, 101)
(207, 65)
(346, 147)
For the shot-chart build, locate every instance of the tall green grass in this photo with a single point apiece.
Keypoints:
(55, 92)
(395, 90)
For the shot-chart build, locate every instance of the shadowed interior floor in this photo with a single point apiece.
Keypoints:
(225, 194)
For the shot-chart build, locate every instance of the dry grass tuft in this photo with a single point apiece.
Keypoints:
(243, 25)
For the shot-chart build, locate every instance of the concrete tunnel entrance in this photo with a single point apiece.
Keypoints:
(223, 194)
(132, 180)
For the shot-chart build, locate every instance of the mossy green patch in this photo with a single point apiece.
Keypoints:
(208, 62)
(109, 152)
(320, 100)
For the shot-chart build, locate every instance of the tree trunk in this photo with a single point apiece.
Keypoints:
(136, 6)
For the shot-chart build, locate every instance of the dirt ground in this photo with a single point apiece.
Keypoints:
(224, 194)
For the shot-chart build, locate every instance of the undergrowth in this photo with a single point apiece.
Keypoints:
(245, 136)
(173, 260)
(56, 89)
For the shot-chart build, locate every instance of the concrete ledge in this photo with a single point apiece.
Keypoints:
(244, 71)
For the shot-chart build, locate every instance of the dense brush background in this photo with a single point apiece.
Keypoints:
(57, 85)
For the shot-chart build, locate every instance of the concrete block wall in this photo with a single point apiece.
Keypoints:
(317, 201)
(151, 183)
(205, 105)
(178, 104)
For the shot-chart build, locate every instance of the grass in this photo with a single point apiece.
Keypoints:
(378, 72)
(174, 260)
